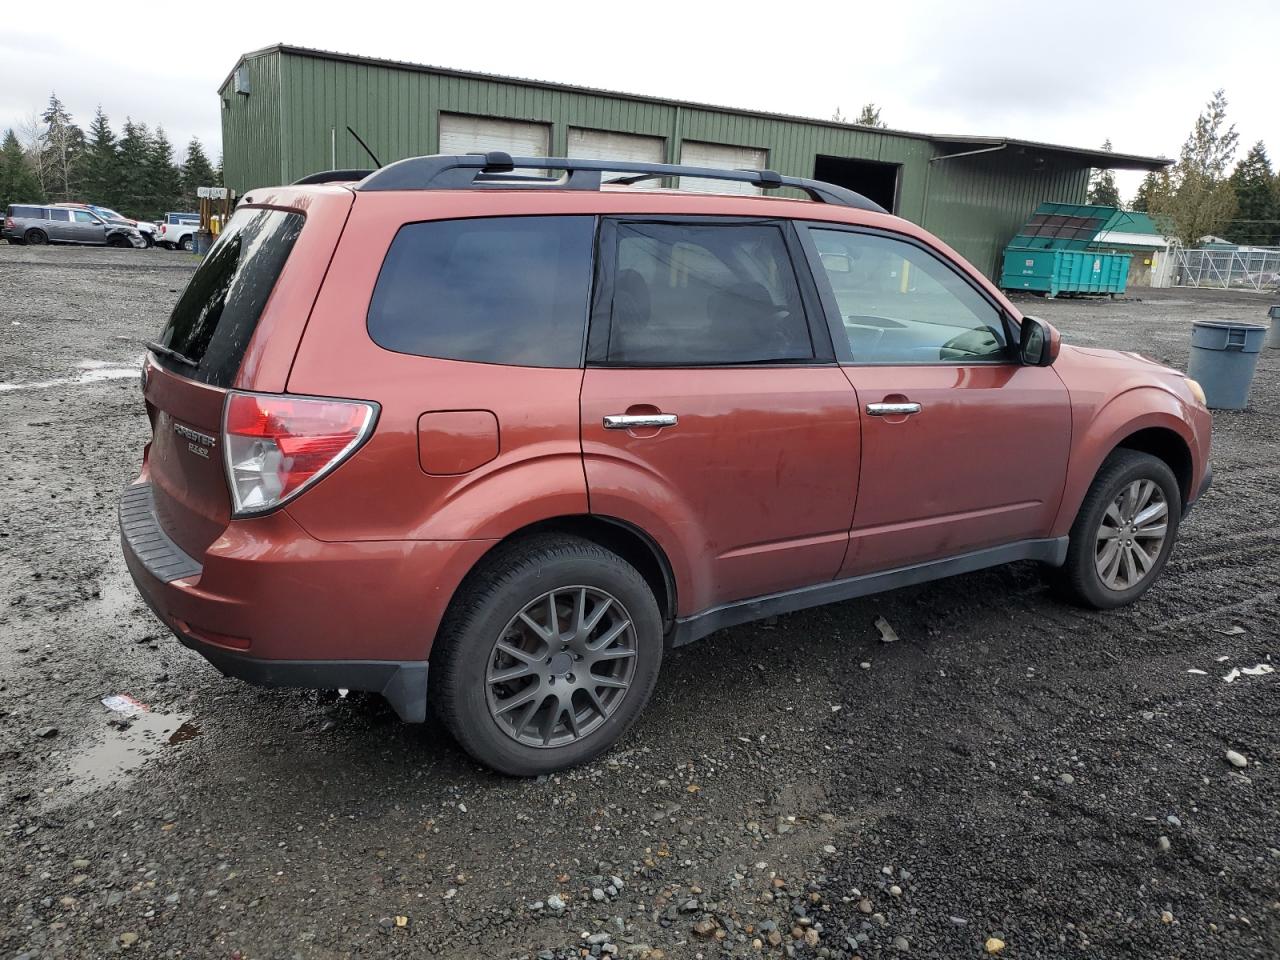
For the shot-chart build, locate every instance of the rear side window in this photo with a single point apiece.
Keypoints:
(688, 294)
(508, 290)
(59, 214)
(218, 311)
(30, 213)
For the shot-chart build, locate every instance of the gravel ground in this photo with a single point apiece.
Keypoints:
(1011, 770)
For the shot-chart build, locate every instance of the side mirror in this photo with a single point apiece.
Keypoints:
(1038, 343)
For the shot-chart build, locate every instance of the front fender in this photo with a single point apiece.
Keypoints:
(1107, 427)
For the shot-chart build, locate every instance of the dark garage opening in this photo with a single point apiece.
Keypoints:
(874, 180)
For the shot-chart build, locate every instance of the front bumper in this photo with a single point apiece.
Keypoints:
(1205, 482)
(269, 604)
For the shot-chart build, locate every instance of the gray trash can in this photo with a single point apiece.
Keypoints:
(1273, 338)
(1223, 355)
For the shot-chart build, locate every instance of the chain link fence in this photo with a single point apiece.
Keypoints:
(1254, 268)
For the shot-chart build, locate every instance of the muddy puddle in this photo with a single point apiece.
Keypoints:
(128, 742)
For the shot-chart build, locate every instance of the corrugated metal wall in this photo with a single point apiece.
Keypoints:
(251, 128)
(978, 203)
(294, 123)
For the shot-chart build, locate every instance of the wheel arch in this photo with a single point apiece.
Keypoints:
(1168, 446)
(1149, 420)
(625, 539)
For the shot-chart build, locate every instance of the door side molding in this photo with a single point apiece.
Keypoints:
(1052, 551)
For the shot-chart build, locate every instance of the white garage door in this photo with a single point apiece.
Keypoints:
(462, 134)
(605, 145)
(696, 154)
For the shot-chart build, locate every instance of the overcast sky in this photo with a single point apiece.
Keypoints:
(1137, 73)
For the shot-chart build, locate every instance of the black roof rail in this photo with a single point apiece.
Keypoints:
(332, 176)
(494, 170)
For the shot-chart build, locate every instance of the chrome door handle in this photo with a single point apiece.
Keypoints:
(892, 409)
(629, 421)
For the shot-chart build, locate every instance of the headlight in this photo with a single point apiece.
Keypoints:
(1197, 391)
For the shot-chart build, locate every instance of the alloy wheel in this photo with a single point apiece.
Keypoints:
(561, 667)
(1131, 535)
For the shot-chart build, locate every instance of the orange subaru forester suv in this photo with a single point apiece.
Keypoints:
(461, 435)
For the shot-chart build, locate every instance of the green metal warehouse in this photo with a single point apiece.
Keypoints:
(286, 110)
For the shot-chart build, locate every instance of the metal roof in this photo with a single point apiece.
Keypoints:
(1102, 159)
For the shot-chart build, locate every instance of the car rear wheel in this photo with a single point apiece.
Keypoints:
(547, 656)
(35, 237)
(187, 243)
(1123, 533)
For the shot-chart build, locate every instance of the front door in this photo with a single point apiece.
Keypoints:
(88, 228)
(713, 414)
(962, 447)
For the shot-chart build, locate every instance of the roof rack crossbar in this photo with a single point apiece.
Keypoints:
(497, 169)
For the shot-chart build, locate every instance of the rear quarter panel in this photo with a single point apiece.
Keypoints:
(383, 493)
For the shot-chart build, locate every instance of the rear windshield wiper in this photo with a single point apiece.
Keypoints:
(172, 354)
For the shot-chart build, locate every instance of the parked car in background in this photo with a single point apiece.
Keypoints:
(508, 440)
(39, 224)
(177, 231)
(144, 227)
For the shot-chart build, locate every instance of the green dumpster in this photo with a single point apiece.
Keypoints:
(1064, 271)
(1050, 253)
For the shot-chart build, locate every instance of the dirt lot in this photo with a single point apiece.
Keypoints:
(1011, 768)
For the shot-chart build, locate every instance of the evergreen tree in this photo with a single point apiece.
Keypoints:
(132, 182)
(18, 183)
(870, 116)
(1257, 219)
(163, 179)
(1102, 185)
(196, 172)
(100, 166)
(1196, 198)
(1142, 199)
(62, 147)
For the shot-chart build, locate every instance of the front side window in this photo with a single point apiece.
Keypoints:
(900, 304)
(507, 290)
(84, 216)
(698, 294)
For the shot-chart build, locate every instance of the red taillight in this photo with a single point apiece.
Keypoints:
(276, 446)
(8, 223)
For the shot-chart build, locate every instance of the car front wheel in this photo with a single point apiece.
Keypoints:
(1123, 533)
(547, 656)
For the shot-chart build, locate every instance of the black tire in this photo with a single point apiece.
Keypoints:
(187, 243)
(35, 237)
(149, 241)
(1079, 581)
(489, 601)
(118, 241)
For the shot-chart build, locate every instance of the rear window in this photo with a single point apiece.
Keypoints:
(509, 290)
(218, 311)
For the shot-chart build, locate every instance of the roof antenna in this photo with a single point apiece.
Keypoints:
(376, 161)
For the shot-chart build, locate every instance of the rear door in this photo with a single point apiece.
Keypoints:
(713, 414)
(58, 225)
(962, 447)
(197, 358)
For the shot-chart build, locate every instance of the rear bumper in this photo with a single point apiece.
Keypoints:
(403, 684)
(269, 604)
